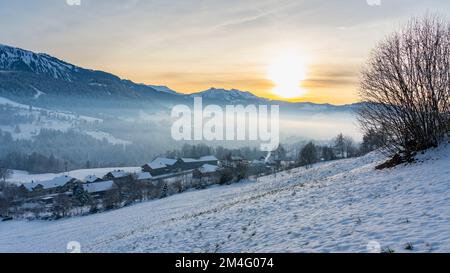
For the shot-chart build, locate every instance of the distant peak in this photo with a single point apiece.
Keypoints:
(163, 88)
(230, 95)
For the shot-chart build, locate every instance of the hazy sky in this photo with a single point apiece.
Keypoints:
(191, 45)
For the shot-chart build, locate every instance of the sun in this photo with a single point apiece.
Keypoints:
(287, 71)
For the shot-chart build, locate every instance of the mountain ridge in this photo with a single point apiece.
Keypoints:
(22, 72)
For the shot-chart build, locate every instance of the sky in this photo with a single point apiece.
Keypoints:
(260, 46)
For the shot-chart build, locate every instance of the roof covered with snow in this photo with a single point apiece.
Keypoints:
(98, 187)
(207, 168)
(144, 176)
(91, 178)
(164, 161)
(50, 184)
(157, 165)
(201, 159)
(208, 158)
(188, 160)
(118, 174)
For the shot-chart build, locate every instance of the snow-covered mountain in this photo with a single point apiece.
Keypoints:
(225, 95)
(25, 76)
(340, 206)
(16, 59)
(23, 71)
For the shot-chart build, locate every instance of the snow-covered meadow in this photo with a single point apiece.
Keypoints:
(341, 206)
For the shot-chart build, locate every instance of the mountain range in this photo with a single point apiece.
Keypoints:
(38, 78)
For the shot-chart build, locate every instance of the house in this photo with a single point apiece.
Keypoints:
(144, 177)
(166, 161)
(117, 176)
(188, 164)
(92, 179)
(55, 185)
(210, 160)
(193, 163)
(206, 170)
(258, 167)
(28, 187)
(162, 166)
(99, 189)
(155, 168)
(233, 162)
(159, 166)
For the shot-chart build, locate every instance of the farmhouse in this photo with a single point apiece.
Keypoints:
(162, 166)
(192, 163)
(159, 166)
(155, 168)
(99, 189)
(92, 179)
(117, 176)
(56, 185)
(144, 177)
(206, 171)
(233, 162)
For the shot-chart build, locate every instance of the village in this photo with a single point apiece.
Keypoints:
(66, 196)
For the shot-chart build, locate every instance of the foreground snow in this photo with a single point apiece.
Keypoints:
(334, 207)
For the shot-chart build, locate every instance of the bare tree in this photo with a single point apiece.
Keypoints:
(4, 206)
(405, 86)
(350, 148)
(111, 200)
(62, 205)
(308, 155)
(5, 173)
(372, 140)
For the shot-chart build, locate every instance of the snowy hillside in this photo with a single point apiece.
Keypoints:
(333, 207)
(64, 114)
(36, 118)
(22, 60)
(23, 72)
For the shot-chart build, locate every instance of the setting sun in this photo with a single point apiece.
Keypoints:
(287, 72)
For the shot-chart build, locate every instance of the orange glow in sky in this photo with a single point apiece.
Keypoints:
(285, 49)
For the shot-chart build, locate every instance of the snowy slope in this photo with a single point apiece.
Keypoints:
(24, 73)
(333, 207)
(49, 119)
(12, 58)
(65, 114)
